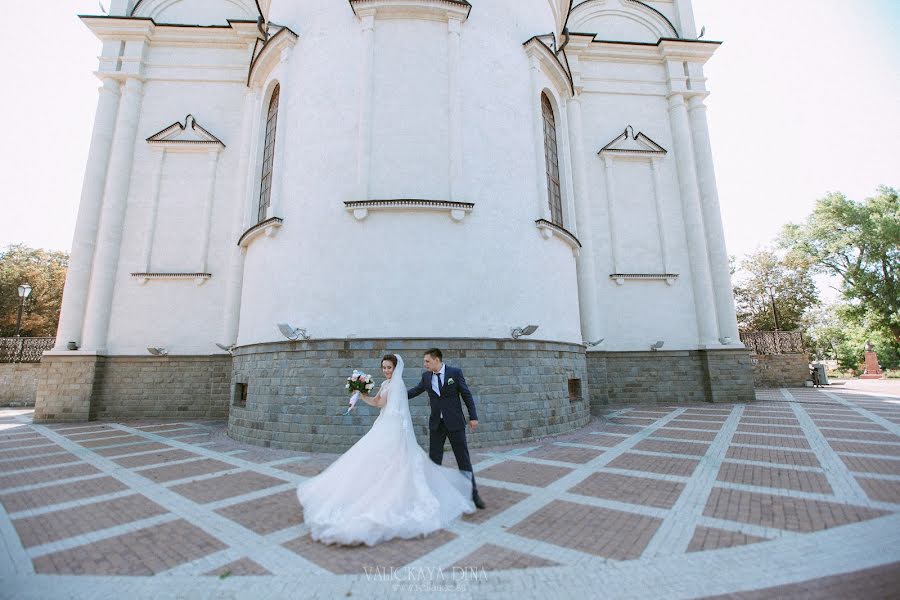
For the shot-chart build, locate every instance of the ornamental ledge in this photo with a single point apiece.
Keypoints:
(549, 230)
(457, 210)
(267, 228)
(621, 278)
(143, 278)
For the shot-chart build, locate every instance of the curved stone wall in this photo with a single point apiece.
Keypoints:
(295, 392)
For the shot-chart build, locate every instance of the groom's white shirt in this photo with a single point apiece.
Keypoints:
(436, 386)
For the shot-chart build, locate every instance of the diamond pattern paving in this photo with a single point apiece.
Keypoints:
(621, 535)
(494, 558)
(653, 485)
(143, 552)
(358, 559)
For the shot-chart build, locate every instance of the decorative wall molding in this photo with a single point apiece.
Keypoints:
(230, 9)
(457, 210)
(621, 278)
(199, 278)
(630, 145)
(538, 49)
(190, 137)
(267, 228)
(267, 55)
(439, 10)
(588, 16)
(549, 230)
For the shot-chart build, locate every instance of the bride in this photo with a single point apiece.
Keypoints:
(384, 486)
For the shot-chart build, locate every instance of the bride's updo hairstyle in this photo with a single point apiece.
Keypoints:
(391, 358)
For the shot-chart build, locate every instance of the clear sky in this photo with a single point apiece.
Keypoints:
(805, 100)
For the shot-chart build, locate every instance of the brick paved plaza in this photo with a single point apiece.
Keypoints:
(796, 495)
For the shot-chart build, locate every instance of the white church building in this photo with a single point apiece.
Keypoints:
(386, 176)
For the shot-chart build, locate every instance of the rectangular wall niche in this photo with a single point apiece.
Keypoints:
(179, 202)
(636, 219)
(239, 395)
(635, 201)
(575, 390)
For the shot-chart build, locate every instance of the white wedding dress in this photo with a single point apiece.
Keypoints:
(384, 486)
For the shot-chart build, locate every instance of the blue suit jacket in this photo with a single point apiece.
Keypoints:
(448, 402)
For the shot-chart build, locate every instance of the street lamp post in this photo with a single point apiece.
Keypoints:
(774, 310)
(775, 313)
(24, 291)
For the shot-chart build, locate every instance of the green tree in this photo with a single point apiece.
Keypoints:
(834, 331)
(763, 279)
(45, 271)
(860, 243)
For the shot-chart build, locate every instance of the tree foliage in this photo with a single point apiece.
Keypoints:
(45, 271)
(764, 278)
(860, 243)
(833, 332)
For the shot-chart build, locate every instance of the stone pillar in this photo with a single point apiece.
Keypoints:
(455, 103)
(658, 191)
(587, 274)
(78, 278)
(611, 212)
(364, 143)
(115, 198)
(158, 166)
(206, 219)
(704, 305)
(712, 221)
(243, 181)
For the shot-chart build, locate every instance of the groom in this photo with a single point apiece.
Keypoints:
(445, 385)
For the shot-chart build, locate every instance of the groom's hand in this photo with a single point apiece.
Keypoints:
(473, 425)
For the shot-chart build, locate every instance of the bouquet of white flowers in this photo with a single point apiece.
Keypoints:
(358, 382)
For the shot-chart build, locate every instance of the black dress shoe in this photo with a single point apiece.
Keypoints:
(479, 503)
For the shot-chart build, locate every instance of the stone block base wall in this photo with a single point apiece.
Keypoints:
(669, 376)
(75, 387)
(18, 383)
(291, 394)
(295, 396)
(780, 370)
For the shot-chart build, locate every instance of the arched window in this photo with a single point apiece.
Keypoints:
(265, 187)
(551, 157)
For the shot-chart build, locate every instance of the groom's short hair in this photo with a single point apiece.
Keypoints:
(435, 353)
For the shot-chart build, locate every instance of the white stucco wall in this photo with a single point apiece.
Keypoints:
(410, 273)
(405, 273)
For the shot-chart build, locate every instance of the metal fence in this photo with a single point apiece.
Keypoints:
(773, 342)
(24, 349)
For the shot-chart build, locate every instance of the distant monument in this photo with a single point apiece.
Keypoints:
(873, 369)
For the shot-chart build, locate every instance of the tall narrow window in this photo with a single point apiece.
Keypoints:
(552, 159)
(265, 187)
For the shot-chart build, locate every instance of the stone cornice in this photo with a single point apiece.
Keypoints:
(235, 34)
(442, 10)
(550, 64)
(587, 46)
